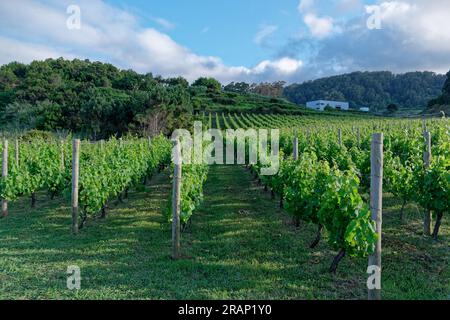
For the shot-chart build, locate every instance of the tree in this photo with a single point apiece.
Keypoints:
(392, 108)
(274, 89)
(177, 81)
(239, 87)
(210, 83)
(444, 98)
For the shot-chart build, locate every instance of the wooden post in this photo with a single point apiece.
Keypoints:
(295, 148)
(5, 174)
(149, 142)
(340, 137)
(16, 151)
(63, 160)
(176, 199)
(75, 177)
(376, 205)
(424, 124)
(427, 162)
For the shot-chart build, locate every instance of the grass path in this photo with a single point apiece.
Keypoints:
(239, 245)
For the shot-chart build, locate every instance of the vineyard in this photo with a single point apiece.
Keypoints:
(305, 232)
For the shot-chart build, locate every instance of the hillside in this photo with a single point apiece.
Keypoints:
(233, 102)
(91, 98)
(98, 100)
(442, 103)
(376, 90)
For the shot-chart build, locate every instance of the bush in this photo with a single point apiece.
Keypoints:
(224, 101)
(37, 135)
(210, 83)
(274, 100)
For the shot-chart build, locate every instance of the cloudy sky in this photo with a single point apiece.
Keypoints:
(233, 40)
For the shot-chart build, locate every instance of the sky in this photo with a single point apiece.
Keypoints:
(232, 40)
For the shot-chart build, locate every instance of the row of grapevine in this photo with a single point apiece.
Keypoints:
(316, 192)
(33, 166)
(326, 185)
(106, 170)
(109, 170)
(313, 123)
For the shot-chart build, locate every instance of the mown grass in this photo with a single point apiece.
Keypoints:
(239, 245)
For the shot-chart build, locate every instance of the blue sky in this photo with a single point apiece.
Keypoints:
(220, 28)
(233, 40)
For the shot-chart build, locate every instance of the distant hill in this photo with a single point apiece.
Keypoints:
(376, 90)
(441, 103)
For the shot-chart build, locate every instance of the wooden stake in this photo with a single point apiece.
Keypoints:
(427, 162)
(176, 200)
(16, 151)
(149, 142)
(340, 137)
(295, 148)
(5, 174)
(63, 160)
(75, 180)
(424, 125)
(376, 204)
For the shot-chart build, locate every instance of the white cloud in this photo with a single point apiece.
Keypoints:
(414, 36)
(166, 24)
(283, 66)
(12, 50)
(422, 23)
(264, 32)
(306, 6)
(320, 27)
(33, 30)
(349, 5)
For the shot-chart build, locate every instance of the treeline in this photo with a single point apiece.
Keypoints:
(93, 99)
(444, 98)
(376, 90)
(269, 89)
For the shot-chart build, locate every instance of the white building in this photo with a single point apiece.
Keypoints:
(321, 104)
(364, 109)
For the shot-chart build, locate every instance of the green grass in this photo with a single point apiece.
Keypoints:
(239, 245)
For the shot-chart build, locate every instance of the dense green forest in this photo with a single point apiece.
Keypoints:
(97, 100)
(376, 90)
(443, 101)
(90, 98)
